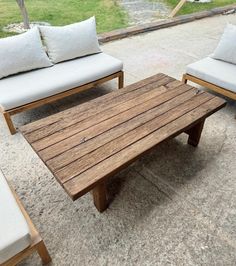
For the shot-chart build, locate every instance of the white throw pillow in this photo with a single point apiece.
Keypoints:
(71, 41)
(226, 49)
(21, 53)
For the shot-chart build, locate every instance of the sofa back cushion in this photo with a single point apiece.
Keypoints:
(226, 49)
(21, 53)
(71, 41)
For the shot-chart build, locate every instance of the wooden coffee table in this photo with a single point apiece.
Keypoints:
(85, 145)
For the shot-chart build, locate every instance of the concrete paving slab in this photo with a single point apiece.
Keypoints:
(200, 175)
(136, 230)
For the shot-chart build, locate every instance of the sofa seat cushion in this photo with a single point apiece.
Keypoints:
(14, 230)
(214, 71)
(38, 84)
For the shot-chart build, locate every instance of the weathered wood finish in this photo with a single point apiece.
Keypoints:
(7, 114)
(89, 143)
(210, 86)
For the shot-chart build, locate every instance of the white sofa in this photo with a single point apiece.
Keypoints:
(216, 72)
(16, 231)
(74, 62)
(72, 76)
(213, 74)
(35, 85)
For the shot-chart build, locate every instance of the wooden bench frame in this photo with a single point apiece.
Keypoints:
(37, 242)
(8, 113)
(209, 85)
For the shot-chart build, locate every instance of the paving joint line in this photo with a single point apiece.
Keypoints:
(211, 224)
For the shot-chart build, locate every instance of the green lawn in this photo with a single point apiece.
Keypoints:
(61, 12)
(108, 13)
(196, 7)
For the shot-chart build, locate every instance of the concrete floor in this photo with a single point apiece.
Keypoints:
(175, 206)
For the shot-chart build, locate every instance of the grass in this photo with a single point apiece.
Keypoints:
(189, 8)
(108, 13)
(60, 12)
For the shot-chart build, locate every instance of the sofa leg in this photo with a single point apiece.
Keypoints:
(43, 253)
(9, 123)
(121, 80)
(184, 79)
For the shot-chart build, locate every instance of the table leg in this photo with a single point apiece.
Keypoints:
(100, 197)
(195, 133)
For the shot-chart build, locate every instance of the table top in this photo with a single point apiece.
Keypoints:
(88, 143)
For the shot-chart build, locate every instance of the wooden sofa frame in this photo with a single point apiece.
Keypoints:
(209, 85)
(37, 242)
(7, 114)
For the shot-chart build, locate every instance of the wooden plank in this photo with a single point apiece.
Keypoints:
(115, 146)
(177, 8)
(81, 136)
(105, 114)
(174, 84)
(84, 182)
(95, 119)
(34, 126)
(66, 122)
(73, 145)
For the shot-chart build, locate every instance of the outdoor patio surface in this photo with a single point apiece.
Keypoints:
(175, 206)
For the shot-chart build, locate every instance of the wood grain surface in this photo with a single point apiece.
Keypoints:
(86, 144)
